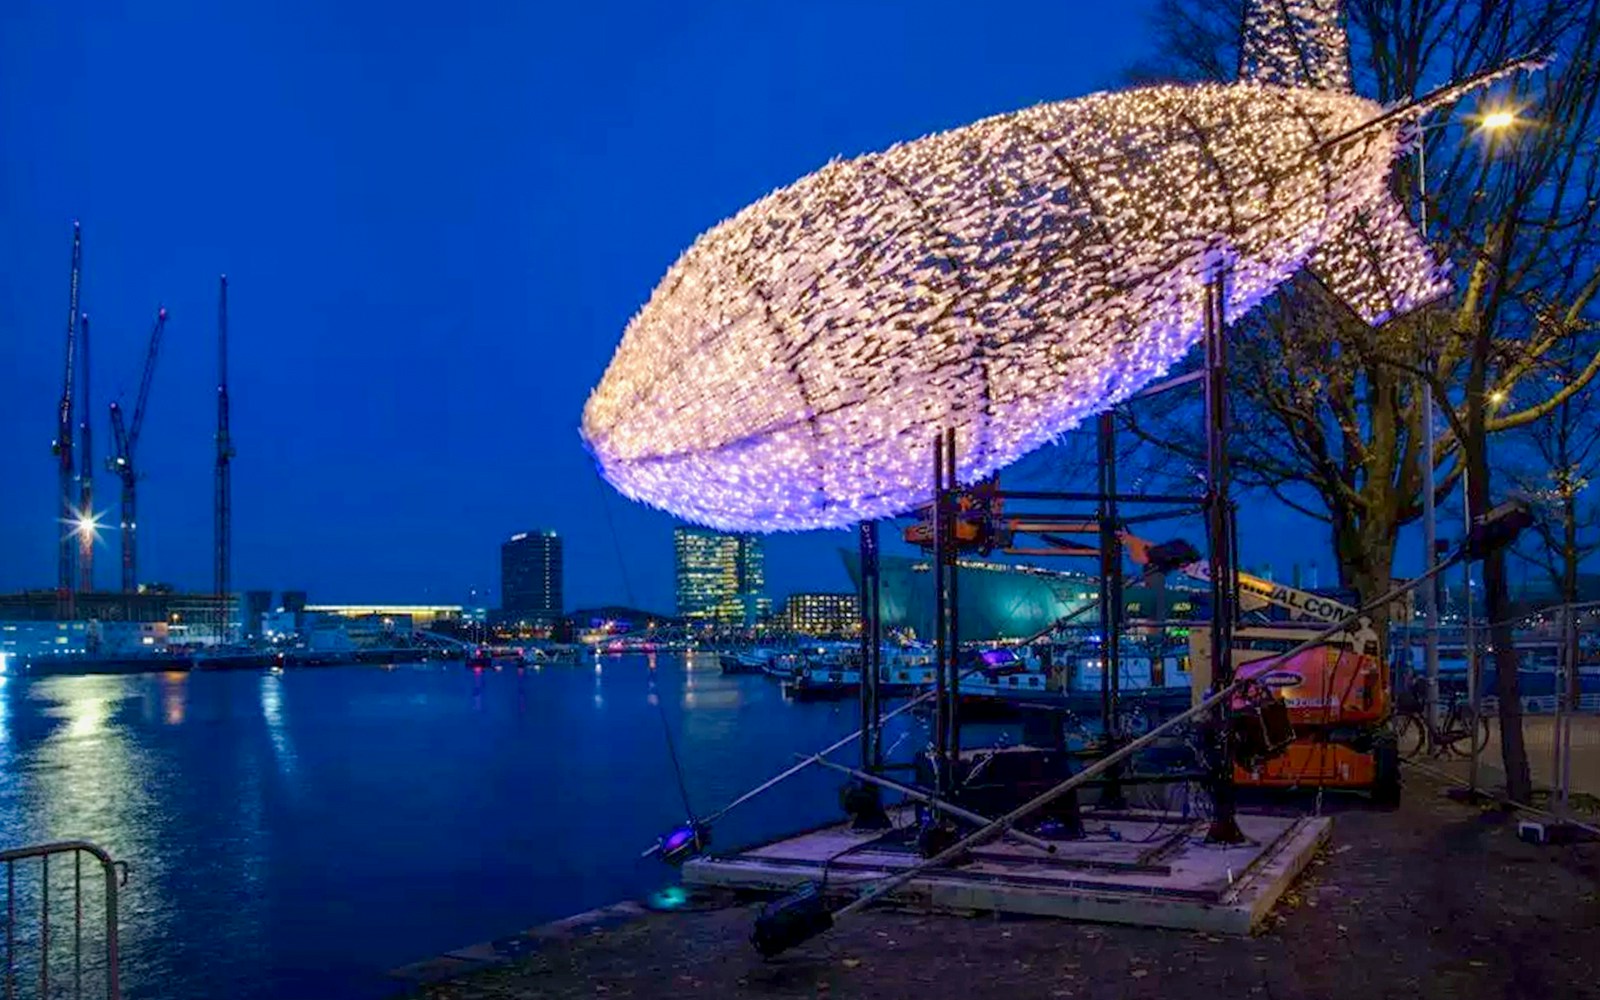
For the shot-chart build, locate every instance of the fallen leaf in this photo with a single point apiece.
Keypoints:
(1139, 973)
(850, 963)
(1476, 964)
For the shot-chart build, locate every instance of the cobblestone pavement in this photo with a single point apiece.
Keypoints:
(1437, 899)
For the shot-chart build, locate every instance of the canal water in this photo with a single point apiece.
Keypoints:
(296, 834)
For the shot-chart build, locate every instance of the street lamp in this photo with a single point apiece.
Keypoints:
(1493, 121)
(1496, 120)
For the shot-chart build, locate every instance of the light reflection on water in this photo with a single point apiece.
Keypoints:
(297, 834)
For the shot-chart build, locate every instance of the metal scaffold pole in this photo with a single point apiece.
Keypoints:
(1110, 599)
(1219, 542)
(953, 597)
(863, 797)
(941, 704)
(868, 536)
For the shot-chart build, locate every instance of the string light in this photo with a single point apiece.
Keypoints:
(1296, 42)
(1008, 279)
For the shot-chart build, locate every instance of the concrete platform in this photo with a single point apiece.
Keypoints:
(1150, 869)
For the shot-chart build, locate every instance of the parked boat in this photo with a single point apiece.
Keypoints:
(831, 672)
(783, 666)
(750, 661)
(496, 657)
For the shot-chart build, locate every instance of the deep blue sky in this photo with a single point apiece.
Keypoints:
(436, 220)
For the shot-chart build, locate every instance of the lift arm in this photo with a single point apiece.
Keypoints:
(1185, 559)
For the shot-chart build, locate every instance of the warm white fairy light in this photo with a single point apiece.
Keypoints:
(1007, 279)
(1296, 41)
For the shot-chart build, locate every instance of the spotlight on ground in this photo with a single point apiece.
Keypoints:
(1171, 556)
(1498, 528)
(794, 919)
(684, 842)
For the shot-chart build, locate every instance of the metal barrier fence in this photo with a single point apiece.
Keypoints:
(33, 958)
(1558, 655)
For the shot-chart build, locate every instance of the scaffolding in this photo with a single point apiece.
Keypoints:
(965, 517)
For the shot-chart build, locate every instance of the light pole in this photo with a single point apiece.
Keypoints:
(1494, 121)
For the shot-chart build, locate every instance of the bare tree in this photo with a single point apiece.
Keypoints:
(1562, 460)
(1330, 410)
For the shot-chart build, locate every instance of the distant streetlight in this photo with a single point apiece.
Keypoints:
(1494, 121)
(86, 526)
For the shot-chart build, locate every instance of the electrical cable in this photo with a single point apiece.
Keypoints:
(672, 755)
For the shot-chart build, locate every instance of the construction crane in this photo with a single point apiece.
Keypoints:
(224, 484)
(125, 439)
(86, 523)
(61, 447)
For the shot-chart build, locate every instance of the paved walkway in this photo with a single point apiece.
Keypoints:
(1539, 734)
(1436, 899)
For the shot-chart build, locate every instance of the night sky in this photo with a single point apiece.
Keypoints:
(436, 220)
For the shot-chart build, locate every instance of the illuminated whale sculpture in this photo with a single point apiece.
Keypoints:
(1007, 279)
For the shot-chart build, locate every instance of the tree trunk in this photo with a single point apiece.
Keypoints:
(1497, 603)
(1508, 688)
(1365, 547)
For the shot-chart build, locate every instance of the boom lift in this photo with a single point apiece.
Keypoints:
(1337, 694)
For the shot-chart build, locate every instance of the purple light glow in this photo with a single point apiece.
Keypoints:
(1008, 279)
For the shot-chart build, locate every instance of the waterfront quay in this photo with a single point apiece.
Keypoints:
(1435, 899)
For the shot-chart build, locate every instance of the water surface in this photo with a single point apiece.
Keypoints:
(295, 834)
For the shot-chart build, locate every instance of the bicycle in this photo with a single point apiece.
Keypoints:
(1458, 732)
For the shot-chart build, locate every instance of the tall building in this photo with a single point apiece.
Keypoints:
(257, 604)
(720, 578)
(530, 577)
(822, 614)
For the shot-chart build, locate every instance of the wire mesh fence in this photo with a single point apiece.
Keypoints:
(1557, 658)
